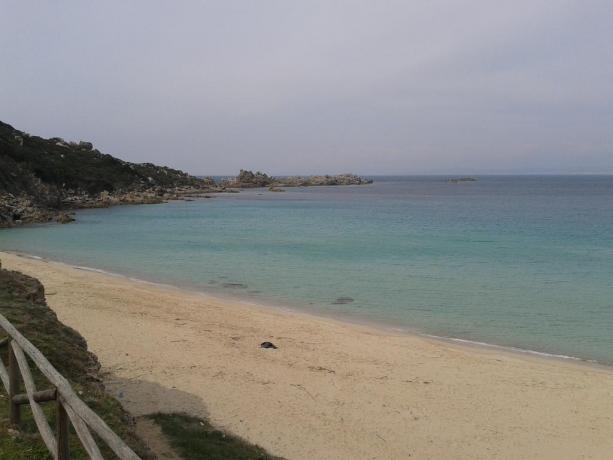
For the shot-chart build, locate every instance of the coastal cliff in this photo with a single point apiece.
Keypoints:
(249, 179)
(42, 180)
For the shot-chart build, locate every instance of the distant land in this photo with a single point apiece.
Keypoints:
(460, 180)
(44, 180)
(249, 179)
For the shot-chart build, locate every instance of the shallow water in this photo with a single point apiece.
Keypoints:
(516, 261)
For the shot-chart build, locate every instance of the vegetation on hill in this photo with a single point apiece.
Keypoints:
(42, 180)
(39, 177)
(71, 166)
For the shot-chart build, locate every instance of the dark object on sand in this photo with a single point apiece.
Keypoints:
(268, 345)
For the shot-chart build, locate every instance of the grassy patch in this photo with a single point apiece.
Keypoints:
(196, 439)
(22, 302)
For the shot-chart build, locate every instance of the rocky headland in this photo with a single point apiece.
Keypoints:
(249, 179)
(43, 180)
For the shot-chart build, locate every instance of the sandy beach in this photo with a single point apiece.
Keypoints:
(331, 390)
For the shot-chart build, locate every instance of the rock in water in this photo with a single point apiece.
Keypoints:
(268, 345)
(64, 218)
(234, 285)
(342, 301)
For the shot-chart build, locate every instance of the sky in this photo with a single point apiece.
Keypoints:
(307, 87)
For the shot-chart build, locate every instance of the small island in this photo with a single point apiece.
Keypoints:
(460, 180)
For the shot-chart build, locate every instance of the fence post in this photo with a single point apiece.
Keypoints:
(14, 385)
(62, 431)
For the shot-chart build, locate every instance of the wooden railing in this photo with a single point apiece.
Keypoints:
(70, 409)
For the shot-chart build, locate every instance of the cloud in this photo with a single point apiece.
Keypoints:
(318, 86)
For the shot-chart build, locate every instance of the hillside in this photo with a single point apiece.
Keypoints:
(41, 179)
(22, 301)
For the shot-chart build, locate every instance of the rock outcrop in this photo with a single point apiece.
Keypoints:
(248, 179)
(313, 181)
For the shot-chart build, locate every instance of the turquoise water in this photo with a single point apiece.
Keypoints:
(516, 261)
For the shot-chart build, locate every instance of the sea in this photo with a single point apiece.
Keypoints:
(524, 262)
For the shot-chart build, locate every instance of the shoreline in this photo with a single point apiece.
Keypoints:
(378, 325)
(332, 389)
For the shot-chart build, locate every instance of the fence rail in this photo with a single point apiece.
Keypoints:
(69, 407)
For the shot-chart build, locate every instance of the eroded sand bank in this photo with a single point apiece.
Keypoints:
(331, 390)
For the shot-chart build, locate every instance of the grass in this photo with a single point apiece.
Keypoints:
(22, 302)
(197, 439)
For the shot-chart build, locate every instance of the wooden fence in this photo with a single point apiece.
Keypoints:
(70, 409)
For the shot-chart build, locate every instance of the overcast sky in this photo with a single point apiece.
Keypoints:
(288, 86)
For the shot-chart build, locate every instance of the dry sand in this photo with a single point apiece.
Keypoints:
(331, 390)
